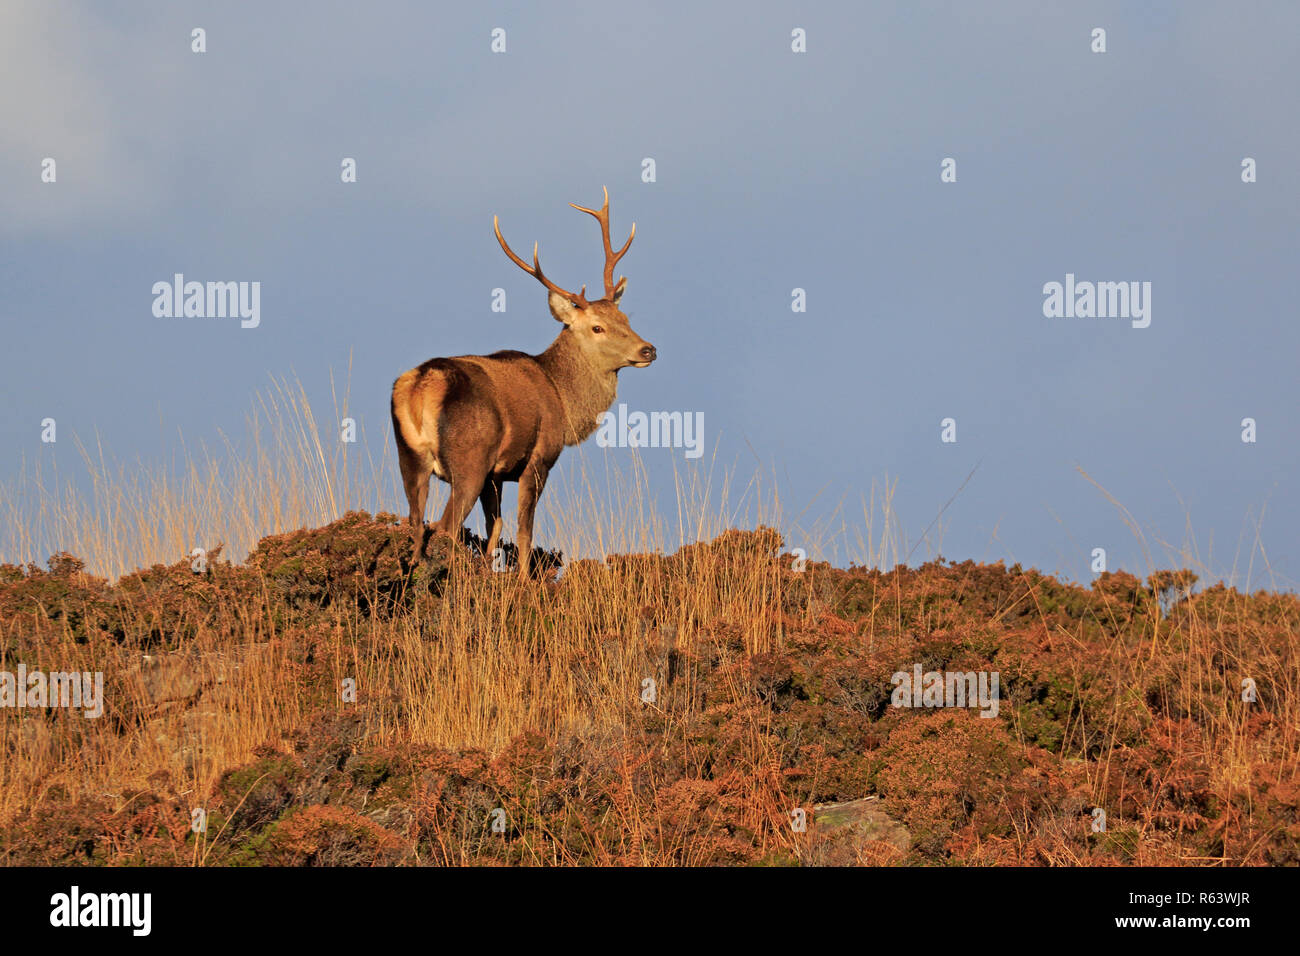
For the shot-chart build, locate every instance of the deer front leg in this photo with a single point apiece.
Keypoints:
(531, 483)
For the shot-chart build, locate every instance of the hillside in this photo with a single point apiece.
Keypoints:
(322, 703)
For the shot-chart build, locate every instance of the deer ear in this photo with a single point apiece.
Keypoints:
(562, 307)
(618, 289)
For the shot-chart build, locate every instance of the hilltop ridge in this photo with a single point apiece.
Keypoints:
(324, 703)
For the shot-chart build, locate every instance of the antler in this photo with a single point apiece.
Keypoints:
(611, 258)
(536, 270)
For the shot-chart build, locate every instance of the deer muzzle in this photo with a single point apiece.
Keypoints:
(646, 355)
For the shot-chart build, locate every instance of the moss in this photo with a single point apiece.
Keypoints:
(321, 836)
(778, 856)
(1121, 842)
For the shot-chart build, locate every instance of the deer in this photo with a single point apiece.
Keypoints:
(478, 421)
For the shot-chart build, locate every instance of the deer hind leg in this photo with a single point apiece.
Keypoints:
(490, 499)
(415, 480)
(531, 483)
(465, 489)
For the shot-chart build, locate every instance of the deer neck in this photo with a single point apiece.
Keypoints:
(585, 391)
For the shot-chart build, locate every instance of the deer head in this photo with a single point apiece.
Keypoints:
(600, 328)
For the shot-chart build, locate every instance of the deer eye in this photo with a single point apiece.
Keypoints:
(597, 329)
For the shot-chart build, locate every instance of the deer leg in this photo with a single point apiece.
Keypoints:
(531, 483)
(465, 490)
(422, 491)
(490, 499)
(415, 480)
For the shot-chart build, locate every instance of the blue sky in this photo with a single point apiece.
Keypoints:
(774, 171)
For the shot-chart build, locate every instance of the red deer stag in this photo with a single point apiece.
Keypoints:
(477, 421)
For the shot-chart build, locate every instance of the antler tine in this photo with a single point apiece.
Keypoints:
(536, 269)
(611, 257)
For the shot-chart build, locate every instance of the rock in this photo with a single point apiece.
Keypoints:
(163, 683)
(167, 680)
(31, 735)
(855, 833)
(186, 737)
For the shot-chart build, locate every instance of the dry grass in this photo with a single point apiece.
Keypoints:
(484, 661)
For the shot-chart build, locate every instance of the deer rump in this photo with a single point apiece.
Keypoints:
(476, 417)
